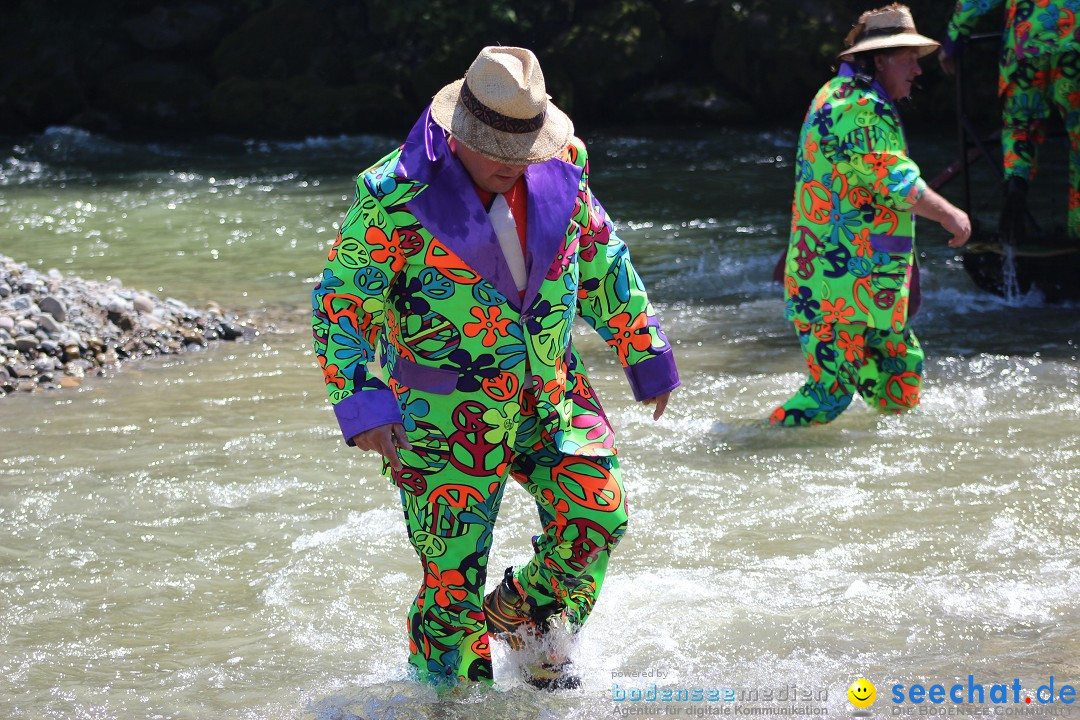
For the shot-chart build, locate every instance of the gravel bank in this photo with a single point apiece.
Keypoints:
(56, 330)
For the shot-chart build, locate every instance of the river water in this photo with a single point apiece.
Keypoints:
(188, 538)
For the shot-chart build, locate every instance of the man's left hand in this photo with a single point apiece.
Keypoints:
(661, 402)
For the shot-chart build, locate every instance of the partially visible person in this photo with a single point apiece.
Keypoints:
(850, 257)
(1040, 69)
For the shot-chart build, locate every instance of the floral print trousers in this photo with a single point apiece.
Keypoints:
(883, 366)
(582, 510)
(1037, 85)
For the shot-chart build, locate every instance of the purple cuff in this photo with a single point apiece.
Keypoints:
(365, 410)
(953, 48)
(653, 376)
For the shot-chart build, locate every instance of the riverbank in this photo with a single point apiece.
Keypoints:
(276, 69)
(56, 330)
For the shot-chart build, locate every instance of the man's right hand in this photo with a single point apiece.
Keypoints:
(959, 224)
(385, 440)
(956, 222)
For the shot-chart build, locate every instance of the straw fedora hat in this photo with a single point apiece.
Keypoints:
(889, 27)
(501, 109)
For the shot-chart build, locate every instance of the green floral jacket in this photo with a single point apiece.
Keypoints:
(417, 273)
(852, 231)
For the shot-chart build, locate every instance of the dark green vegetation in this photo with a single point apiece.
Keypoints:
(309, 67)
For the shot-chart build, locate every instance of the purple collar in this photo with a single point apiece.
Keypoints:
(849, 70)
(450, 209)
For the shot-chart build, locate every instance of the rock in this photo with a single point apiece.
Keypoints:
(121, 320)
(26, 343)
(278, 42)
(163, 93)
(53, 307)
(69, 338)
(7, 323)
(22, 370)
(79, 368)
(55, 280)
(191, 27)
(45, 364)
(48, 324)
(230, 331)
(50, 347)
(296, 105)
(26, 385)
(70, 382)
(119, 305)
(143, 303)
(5, 290)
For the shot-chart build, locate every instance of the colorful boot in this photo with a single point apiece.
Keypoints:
(509, 617)
(513, 620)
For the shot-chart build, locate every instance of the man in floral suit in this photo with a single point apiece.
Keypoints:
(849, 262)
(1040, 68)
(463, 261)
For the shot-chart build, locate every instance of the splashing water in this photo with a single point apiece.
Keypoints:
(191, 539)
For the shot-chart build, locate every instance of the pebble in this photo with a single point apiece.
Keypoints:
(26, 344)
(48, 324)
(54, 330)
(53, 307)
(143, 303)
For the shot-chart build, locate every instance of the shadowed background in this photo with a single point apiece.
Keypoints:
(292, 68)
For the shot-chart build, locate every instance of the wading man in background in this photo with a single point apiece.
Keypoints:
(849, 262)
(1040, 68)
(464, 260)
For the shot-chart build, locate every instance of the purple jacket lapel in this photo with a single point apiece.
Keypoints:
(553, 188)
(450, 209)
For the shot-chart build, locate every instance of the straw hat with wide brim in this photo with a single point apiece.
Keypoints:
(501, 109)
(888, 27)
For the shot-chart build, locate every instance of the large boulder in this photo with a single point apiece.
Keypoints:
(280, 42)
(298, 107)
(156, 93)
(192, 28)
(606, 52)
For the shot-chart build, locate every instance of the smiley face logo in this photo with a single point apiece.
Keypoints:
(862, 693)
